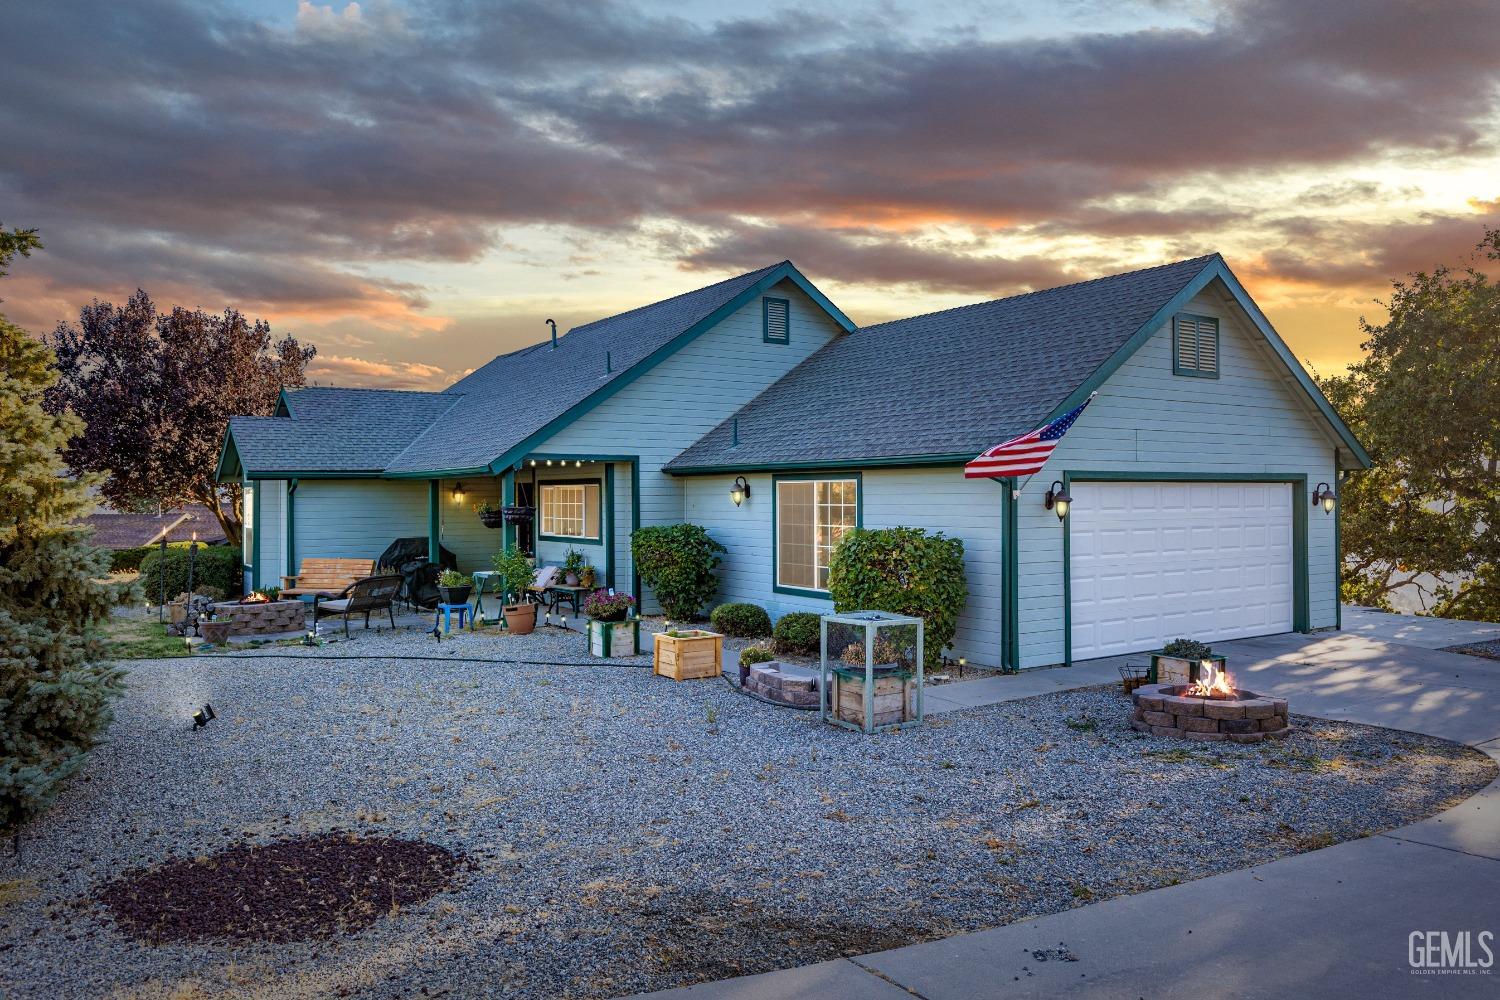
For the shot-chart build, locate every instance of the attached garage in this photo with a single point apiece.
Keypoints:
(1151, 561)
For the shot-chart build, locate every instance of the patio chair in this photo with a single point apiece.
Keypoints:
(373, 593)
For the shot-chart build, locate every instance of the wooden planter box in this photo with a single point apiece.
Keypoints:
(894, 701)
(1176, 670)
(615, 638)
(690, 655)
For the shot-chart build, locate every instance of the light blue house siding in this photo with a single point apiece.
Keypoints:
(935, 498)
(272, 544)
(357, 518)
(686, 395)
(1253, 419)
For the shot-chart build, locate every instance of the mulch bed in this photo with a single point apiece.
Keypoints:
(289, 890)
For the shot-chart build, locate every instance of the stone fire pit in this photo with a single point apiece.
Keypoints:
(1237, 717)
(264, 618)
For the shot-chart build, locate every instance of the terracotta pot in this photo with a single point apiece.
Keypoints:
(571, 579)
(520, 618)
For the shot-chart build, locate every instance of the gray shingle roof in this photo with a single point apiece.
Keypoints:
(948, 383)
(483, 415)
(336, 430)
(518, 394)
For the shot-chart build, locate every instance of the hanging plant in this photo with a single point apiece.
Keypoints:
(491, 515)
(518, 515)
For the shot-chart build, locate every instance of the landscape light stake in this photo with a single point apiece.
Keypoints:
(203, 717)
(161, 573)
(192, 565)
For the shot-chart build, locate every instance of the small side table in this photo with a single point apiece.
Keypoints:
(481, 578)
(445, 612)
(560, 593)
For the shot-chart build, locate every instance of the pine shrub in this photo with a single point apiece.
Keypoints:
(55, 694)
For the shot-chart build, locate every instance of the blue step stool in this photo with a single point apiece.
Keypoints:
(445, 612)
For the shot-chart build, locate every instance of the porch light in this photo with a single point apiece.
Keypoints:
(740, 491)
(549, 461)
(1323, 494)
(1057, 499)
(533, 463)
(458, 492)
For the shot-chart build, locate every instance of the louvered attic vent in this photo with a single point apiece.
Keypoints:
(1195, 346)
(777, 321)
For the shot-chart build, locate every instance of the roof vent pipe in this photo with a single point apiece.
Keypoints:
(609, 365)
(552, 324)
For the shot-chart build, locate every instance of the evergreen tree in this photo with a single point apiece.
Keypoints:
(55, 695)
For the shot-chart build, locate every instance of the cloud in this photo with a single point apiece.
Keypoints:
(300, 168)
(334, 369)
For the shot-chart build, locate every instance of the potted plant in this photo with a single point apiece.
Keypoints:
(587, 577)
(491, 515)
(611, 633)
(1178, 661)
(454, 586)
(516, 573)
(573, 565)
(517, 514)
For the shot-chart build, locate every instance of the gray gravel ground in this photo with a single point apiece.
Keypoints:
(630, 833)
(1489, 650)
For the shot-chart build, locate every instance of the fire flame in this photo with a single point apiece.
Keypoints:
(1213, 682)
(255, 598)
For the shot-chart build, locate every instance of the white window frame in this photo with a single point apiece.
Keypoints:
(821, 553)
(590, 496)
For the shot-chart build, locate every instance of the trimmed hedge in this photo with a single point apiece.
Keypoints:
(677, 562)
(219, 566)
(906, 571)
(741, 621)
(129, 560)
(796, 633)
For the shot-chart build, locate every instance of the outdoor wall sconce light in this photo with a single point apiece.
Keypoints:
(1323, 494)
(740, 491)
(458, 492)
(203, 717)
(1057, 499)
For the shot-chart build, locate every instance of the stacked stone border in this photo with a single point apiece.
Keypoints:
(1246, 718)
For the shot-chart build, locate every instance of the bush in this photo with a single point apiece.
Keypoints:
(905, 571)
(796, 633)
(755, 654)
(220, 566)
(602, 606)
(516, 570)
(677, 562)
(129, 560)
(742, 621)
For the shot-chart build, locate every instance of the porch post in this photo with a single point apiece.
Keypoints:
(434, 522)
(508, 499)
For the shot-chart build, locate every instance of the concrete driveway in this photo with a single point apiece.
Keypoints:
(1331, 923)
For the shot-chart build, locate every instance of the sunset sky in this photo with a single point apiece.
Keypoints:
(414, 186)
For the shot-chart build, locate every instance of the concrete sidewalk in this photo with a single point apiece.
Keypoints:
(1331, 923)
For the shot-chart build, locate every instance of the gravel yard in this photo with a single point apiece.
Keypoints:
(619, 833)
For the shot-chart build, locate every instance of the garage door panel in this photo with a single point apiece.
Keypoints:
(1154, 561)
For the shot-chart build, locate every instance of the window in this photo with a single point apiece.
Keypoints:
(570, 510)
(1195, 346)
(777, 314)
(811, 516)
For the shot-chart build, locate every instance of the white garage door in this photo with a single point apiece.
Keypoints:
(1155, 561)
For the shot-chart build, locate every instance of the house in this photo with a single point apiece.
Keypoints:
(1192, 474)
(124, 530)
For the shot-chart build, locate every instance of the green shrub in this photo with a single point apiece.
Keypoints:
(453, 578)
(516, 570)
(129, 560)
(677, 562)
(755, 654)
(905, 571)
(796, 633)
(220, 566)
(1187, 649)
(742, 621)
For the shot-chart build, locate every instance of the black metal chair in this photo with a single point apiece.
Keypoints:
(373, 593)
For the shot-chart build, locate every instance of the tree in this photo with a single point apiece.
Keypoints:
(1425, 401)
(157, 391)
(55, 696)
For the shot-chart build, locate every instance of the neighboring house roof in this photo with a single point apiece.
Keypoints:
(330, 431)
(115, 530)
(483, 422)
(948, 385)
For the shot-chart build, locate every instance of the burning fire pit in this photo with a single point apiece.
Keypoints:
(1210, 709)
(262, 617)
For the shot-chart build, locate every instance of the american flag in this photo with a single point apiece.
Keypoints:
(1024, 455)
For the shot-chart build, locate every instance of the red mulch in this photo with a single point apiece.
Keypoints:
(289, 890)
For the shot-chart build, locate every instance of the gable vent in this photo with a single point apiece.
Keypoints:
(777, 321)
(1195, 346)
